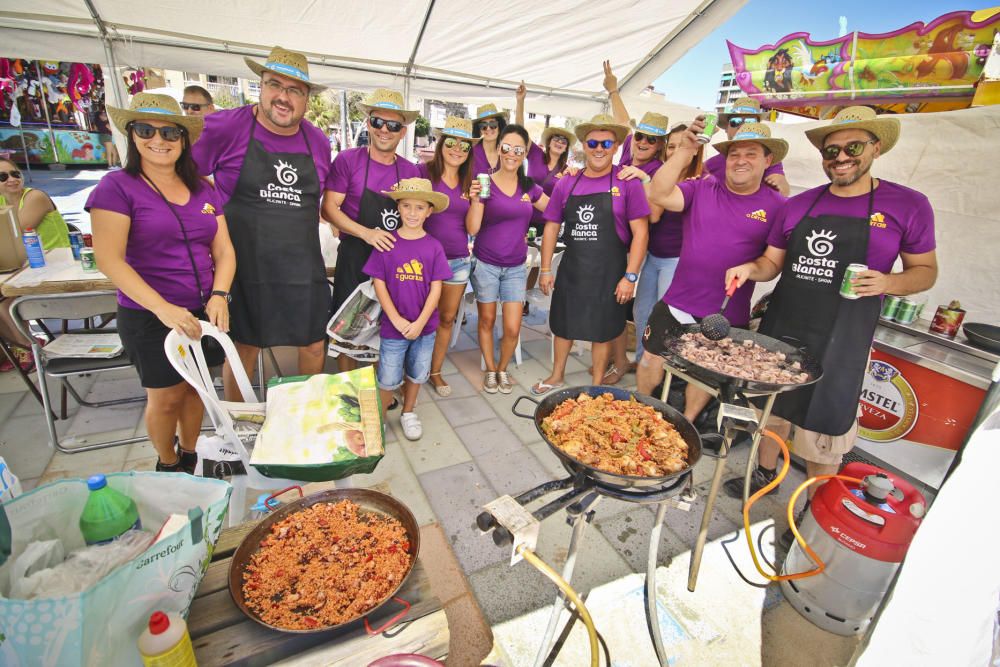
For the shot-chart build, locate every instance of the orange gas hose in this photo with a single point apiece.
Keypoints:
(786, 462)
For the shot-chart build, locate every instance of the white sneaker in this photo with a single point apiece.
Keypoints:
(490, 382)
(412, 428)
(503, 380)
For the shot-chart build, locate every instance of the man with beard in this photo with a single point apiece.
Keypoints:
(855, 219)
(269, 165)
(354, 203)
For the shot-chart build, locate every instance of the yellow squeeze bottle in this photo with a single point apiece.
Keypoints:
(166, 642)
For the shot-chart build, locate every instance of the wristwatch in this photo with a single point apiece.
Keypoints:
(225, 295)
(632, 277)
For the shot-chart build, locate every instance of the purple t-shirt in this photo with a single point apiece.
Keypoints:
(628, 199)
(649, 168)
(902, 220)
(220, 150)
(538, 170)
(155, 246)
(665, 236)
(347, 175)
(716, 166)
(501, 239)
(721, 230)
(480, 164)
(408, 270)
(449, 227)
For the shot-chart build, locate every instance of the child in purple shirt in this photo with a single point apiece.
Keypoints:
(407, 280)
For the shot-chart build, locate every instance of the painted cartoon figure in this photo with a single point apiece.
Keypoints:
(947, 48)
(778, 78)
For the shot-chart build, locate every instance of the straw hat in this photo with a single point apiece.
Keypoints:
(384, 99)
(884, 128)
(743, 106)
(653, 124)
(491, 111)
(418, 188)
(548, 132)
(602, 122)
(759, 134)
(286, 63)
(151, 106)
(459, 128)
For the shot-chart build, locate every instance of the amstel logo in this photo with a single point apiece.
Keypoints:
(412, 270)
(889, 406)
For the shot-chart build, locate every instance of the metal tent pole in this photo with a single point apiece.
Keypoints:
(45, 110)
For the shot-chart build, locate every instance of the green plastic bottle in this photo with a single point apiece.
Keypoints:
(107, 513)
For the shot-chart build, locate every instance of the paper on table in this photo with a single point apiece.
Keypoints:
(59, 267)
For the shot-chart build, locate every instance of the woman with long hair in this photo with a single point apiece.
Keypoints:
(664, 243)
(161, 238)
(487, 126)
(500, 224)
(450, 173)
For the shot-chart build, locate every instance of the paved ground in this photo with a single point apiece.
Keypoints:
(474, 449)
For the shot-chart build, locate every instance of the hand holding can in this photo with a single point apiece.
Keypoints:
(711, 120)
(484, 185)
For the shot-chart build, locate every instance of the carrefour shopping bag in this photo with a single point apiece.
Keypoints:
(100, 625)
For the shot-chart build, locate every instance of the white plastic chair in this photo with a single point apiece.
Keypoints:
(187, 358)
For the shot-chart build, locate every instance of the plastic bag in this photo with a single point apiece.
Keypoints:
(10, 486)
(354, 328)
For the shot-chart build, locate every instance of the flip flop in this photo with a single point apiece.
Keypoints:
(612, 370)
(540, 387)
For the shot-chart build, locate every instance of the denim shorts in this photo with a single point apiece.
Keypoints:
(461, 269)
(398, 355)
(506, 284)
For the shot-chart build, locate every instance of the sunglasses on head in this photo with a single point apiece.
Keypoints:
(190, 106)
(603, 143)
(167, 132)
(739, 120)
(647, 138)
(451, 142)
(492, 124)
(379, 123)
(853, 149)
(507, 148)
(4, 175)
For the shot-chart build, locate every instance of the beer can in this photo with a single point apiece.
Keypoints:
(947, 320)
(484, 185)
(33, 249)
(711, 125)
(76, 242)
(889, 306)
(88, 240)
(846, 289)
(907, 311)
(87, 260)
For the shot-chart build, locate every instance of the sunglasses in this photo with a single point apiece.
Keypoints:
(853, 149)
(189, 106)
(491, 124)
(603, 143)
(4, 175)
(292, 91)
(167, 132)
(640, 137)
(559, 139)
(739, 120)
(379, 123)
(507, 148)
(451, 142)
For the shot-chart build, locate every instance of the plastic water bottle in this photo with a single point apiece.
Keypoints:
(33, 249)
(108, 513)
(166, 642)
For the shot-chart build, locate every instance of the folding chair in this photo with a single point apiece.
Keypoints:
(188, 359)
(75, 306)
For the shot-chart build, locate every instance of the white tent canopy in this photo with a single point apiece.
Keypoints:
(441, 49)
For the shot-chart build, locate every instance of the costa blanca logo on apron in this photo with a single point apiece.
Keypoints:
(282, 193)
(390, 218)
(585, 229)
(817, 268)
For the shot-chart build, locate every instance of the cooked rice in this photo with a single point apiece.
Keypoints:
(325, 565)
(619, 437)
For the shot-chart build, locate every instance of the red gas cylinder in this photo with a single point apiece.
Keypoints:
(861, 532)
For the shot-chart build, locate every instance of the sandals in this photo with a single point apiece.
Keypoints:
(542, 387)
(612, 371)
(443, 390)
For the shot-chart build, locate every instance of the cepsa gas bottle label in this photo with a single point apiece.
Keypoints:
(889, 406)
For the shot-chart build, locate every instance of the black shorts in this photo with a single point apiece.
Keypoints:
(661, 322)
(143, 334)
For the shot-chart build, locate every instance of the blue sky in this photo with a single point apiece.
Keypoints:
(694, 79)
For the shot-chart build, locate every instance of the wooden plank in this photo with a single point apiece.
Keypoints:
(428, 636)
(229, 540)
(215, 579)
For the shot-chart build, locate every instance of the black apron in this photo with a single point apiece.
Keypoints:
(280, 294)
(376, 211)
(807, 306)
(584, 305)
